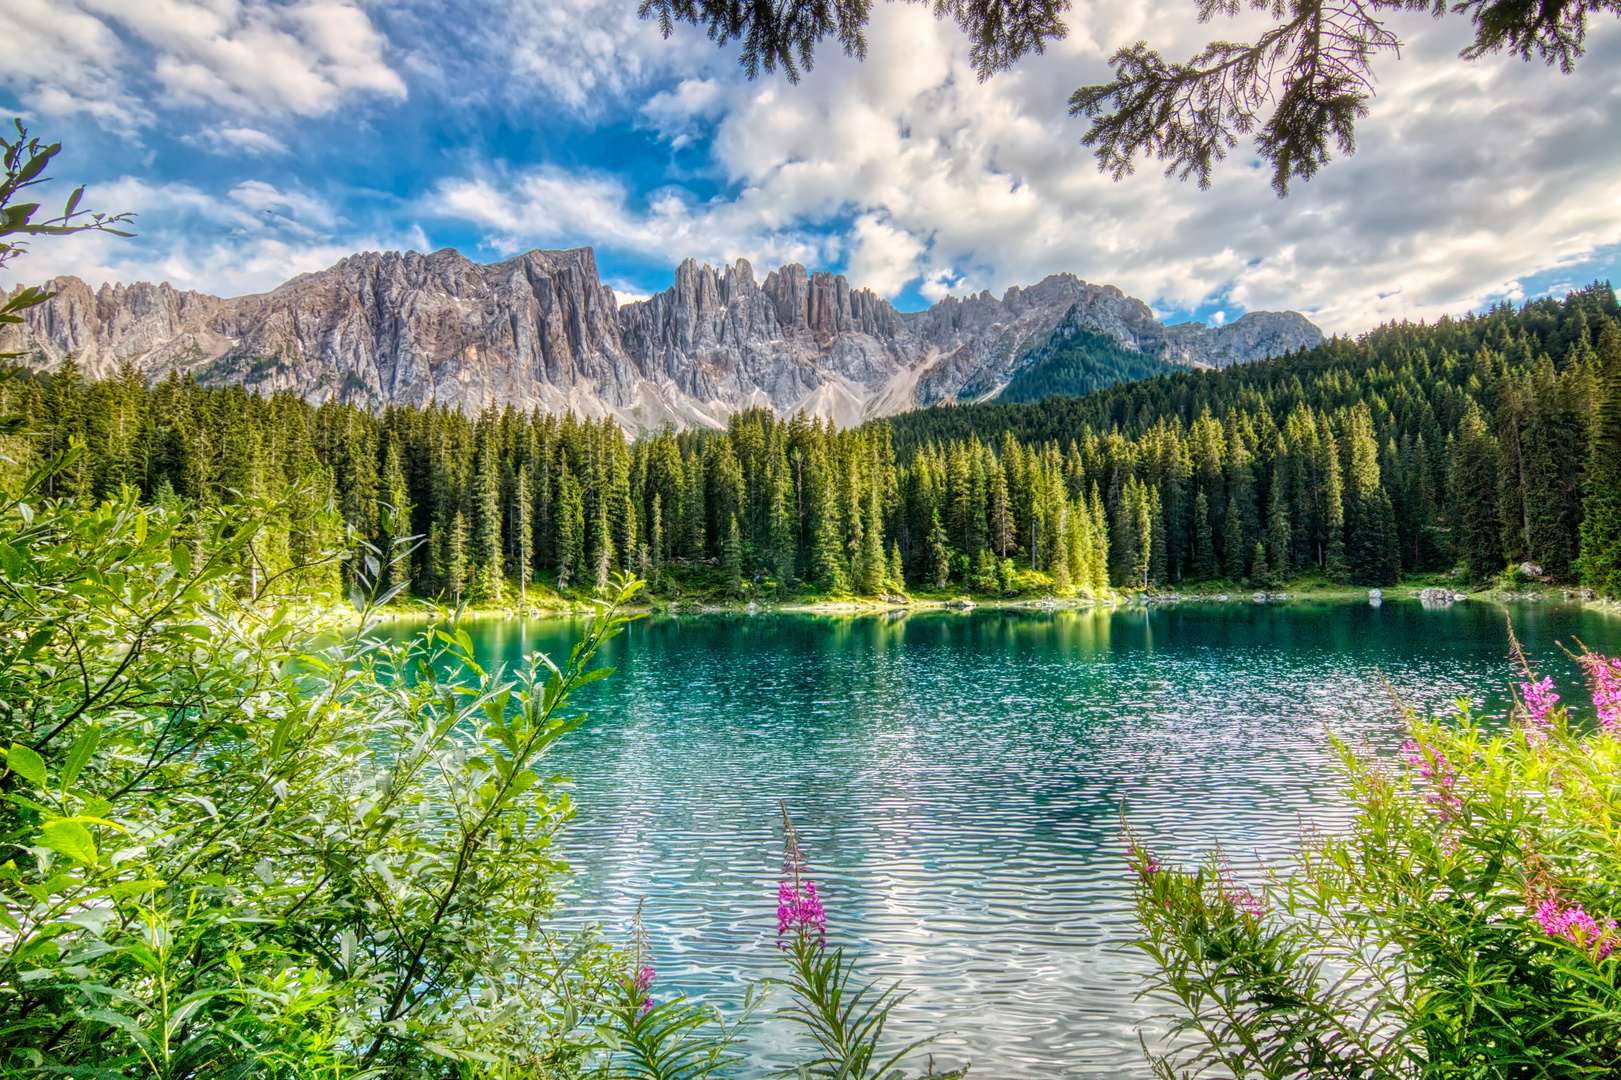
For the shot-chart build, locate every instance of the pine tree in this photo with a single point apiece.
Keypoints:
(1159, 571)
(1372, 555)
(827, 560)
(604, 537)
(939, 553)
(1277, 540)
(731, 559)
(1132, 538)
(569, 529)
(486, 554)
(1000, 513)
(1601, 520)
(1333, 557)
(525, 530)
(897, 570)
(1204, 541)
(1233, 553)
(456, 558)
(1471, 502)
(873, 566)
(655, 540)
(1260, 571)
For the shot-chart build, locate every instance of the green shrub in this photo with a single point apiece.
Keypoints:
(1463, 926)
(245, 839)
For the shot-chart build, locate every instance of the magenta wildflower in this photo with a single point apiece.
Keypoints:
(1147, 865)
(644, 983)
(1605, 673)
(1433, 767)
(1576, 926)
(1539, 700)
(1240, 898)
(800, 910)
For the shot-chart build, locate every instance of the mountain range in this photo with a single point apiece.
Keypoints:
(541, 330)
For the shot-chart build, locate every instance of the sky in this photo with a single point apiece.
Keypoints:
(259, 139)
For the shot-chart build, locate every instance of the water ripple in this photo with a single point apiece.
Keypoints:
(959, 783)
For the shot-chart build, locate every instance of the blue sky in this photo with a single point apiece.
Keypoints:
(258, 139)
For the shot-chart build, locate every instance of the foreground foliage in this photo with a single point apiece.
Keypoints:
(1465, 925)
(243, 838)
(235, 852)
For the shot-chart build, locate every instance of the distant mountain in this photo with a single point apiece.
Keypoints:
(542, 331)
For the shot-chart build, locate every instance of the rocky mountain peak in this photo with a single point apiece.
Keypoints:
(540, 330)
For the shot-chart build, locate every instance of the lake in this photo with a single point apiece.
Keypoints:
(959, 781)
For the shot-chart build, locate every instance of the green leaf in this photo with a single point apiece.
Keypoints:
(71, 839)
(11, 561)
(181, 558)
(26, 764)
(36, 641)
(79, 754)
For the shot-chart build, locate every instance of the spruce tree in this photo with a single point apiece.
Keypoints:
(1204, 540)
(1260, 571)
(873, 564)
(570, 526)
(1601, 520)
(655, 541)
(1159, 547)
(1000, 513)
(897, 570)
(1471, 498)
(939, 553)
(1233, 552)
(1277, 540)
(486, 584)
(731, 558)
(1333, 556)
(525, 529)
(456, 558)
(827, 560)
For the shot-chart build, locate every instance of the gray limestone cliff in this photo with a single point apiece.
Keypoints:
(542, 331)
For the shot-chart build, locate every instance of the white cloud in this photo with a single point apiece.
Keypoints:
(1470, 177)
(553, 206)
(251, 241)
(233, 139)
(906, 170)
(252, 57)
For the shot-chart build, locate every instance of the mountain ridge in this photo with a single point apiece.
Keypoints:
(541, 330)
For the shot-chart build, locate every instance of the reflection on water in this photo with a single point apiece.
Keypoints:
(959, 781)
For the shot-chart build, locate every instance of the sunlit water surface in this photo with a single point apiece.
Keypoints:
(959, 783)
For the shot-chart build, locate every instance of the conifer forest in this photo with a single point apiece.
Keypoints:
(1478, 443)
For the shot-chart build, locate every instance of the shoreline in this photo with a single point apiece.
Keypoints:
(962, 604)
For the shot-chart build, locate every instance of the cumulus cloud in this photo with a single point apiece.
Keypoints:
(252, 240)
(257, 57)
(1470, 177)
(905, 171)
(560, 207)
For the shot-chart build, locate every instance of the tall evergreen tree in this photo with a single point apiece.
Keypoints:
(1234, 556)
(1204, 540)
(731, 558)
(1601, 521)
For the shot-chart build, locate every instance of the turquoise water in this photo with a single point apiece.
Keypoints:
(959, 782)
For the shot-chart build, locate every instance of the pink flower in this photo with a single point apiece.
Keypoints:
(1539, 700)
(1147, 865)
(1605, 674)
(1433, 767)
(1576, 926)
(643, 983)
(800, 910)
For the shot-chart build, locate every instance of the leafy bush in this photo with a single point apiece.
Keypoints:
(1464, 925)
(246, 837)
(243, 838)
